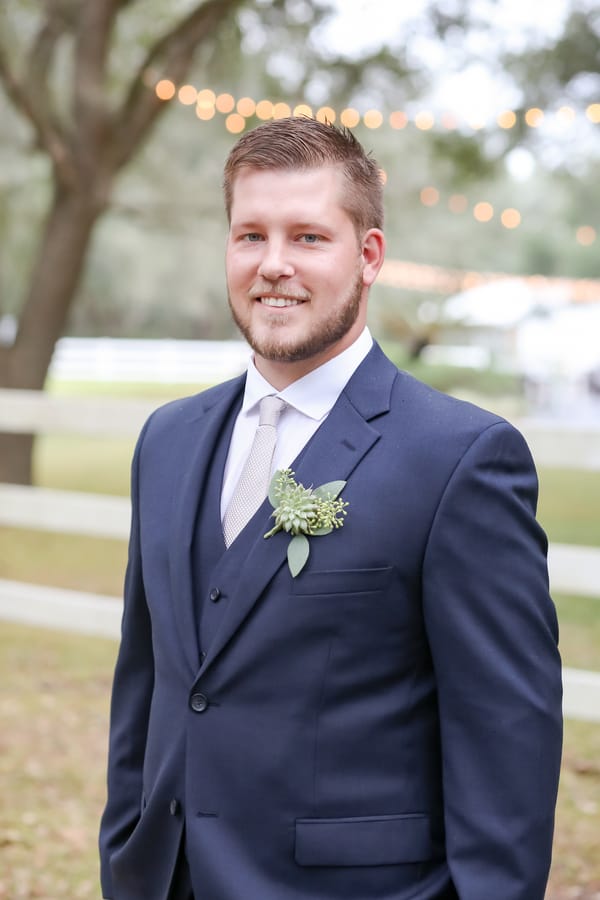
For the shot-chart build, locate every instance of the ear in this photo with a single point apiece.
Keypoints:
(372, 253)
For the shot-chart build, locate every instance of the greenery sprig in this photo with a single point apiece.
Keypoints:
(303, 513)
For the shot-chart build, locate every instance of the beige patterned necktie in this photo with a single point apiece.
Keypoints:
(253, 485)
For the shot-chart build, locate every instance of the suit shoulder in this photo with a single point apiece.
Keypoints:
(184, 409)
(437, 412)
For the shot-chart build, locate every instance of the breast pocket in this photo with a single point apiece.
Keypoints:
(343, 581)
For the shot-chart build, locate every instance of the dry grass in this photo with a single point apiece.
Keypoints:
(54, 710)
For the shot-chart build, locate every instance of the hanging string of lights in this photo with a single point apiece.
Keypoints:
(430, 279)
(209, 104)
(236, 113)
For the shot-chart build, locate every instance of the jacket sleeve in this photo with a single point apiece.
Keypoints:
(493, 635)
(130, 704)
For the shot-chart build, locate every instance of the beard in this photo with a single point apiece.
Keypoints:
(322, 334)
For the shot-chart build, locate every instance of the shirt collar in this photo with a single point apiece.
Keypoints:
(315, 394)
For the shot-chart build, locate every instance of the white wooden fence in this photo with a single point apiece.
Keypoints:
(573, 570)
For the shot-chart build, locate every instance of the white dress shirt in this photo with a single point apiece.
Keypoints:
(309, 401)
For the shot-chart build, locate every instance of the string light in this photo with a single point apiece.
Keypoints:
(449, 121)
(398, 119)
(566, 115)
(477, 124)
(483, 211)
(205, 113)
(373, 118)
(187, 94)
(281, 111)
(303, 109)
(206, 98)
(326, 114)
(165, 89)
(207, 104)
(429, 196)
(225, 103)
(593, 113)
(246, 107)
(350, 117)
(585, 235)
(442, 280)
(235, 123)
(534, 117)
(507, 119)
(510, 218)
(264, 110)
(423, 120)
(457, 203)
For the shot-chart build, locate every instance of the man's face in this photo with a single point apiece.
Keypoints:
(297, 273)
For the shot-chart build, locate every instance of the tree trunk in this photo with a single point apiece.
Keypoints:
(16, 457)
(58, 268)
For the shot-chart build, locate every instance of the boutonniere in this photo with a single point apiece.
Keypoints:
(303, 513)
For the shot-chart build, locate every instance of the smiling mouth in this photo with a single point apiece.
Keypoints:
(279, 302)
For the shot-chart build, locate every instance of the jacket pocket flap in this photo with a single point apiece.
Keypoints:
(364, 841)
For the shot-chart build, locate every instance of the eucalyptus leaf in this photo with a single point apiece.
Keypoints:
(297, 554)
(331, 490)
(319, 531)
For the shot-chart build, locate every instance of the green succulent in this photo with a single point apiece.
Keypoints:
(304, 512)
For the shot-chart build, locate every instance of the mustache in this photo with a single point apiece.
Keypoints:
(278, 289)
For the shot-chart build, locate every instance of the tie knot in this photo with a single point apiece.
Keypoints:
(270, 409)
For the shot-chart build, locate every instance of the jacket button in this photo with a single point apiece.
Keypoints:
(199, 702)
(215, 595)
(174, 807)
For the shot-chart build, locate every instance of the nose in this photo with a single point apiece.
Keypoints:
(275, 261)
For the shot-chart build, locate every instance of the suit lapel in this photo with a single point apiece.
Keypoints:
(332, 454)
(203, 433)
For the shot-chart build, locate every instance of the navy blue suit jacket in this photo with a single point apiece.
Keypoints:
(385, 726)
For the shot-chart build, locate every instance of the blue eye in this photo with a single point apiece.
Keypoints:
(253, 237)
(310, 238)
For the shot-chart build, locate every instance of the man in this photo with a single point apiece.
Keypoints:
(380, 719)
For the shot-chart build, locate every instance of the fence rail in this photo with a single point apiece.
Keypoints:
(573, 570)
(22, 412)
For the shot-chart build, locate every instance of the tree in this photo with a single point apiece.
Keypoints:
(87, 148)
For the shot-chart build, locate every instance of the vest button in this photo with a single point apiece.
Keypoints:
(174, 807)
(215, 595)
(199, 702)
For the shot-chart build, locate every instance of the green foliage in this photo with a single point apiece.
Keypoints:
(568, 66)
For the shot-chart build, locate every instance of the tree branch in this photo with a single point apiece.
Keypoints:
(41, 57)
(49, 135)
(173, 55)
(96, 20)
